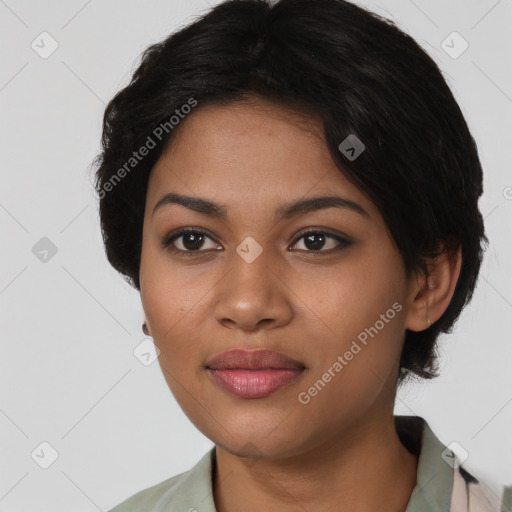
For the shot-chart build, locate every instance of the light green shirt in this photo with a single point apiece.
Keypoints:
(442, 483)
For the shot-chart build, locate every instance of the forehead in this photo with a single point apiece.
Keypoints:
(250, 154)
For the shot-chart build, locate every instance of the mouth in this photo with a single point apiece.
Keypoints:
(253, 373)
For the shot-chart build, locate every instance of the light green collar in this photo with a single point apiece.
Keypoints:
(434, 477)
(432, 491)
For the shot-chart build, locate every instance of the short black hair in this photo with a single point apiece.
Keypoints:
(355, 71)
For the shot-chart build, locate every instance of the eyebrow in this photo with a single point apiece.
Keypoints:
(207, 207)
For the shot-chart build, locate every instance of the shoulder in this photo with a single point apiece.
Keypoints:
(148, 499)
(186, 491)
(476, 492)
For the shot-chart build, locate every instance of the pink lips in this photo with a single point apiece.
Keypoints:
(253, 373)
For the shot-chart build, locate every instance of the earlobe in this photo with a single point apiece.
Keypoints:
(432, 294)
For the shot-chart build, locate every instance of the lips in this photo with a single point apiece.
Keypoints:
(253, 373)
(260, 359)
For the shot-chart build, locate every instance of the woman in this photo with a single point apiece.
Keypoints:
(293, 189)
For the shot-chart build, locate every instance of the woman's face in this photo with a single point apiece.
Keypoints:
(256, 281)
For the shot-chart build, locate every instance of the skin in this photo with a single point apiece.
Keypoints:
(340, 451)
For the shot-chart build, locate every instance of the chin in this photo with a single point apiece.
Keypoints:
(256, 444)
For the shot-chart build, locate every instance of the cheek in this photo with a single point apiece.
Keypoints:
(354, 296)
(362, 314)
(166, 293)
(176, 304)
(358, 365)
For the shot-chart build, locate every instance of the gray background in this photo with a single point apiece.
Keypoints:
(70, 324)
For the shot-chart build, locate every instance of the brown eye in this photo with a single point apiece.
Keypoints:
(193, 240)
(315, 241)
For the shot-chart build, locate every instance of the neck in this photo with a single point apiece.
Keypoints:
(351, 472)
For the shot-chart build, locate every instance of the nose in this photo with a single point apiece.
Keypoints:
(253, 296)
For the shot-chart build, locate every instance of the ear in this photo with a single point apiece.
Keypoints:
(430, 295)
(145, 327)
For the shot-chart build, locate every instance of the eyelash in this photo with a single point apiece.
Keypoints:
(169, 239)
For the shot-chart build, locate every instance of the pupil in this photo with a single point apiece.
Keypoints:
(313, 245)
(196, 238)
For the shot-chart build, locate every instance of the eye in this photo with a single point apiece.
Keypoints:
(193, 239)
(316, 239)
